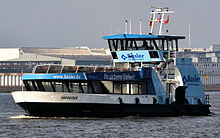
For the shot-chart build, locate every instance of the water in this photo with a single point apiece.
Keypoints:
(13, 123)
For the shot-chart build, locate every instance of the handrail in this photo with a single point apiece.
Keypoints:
(77, 69)
(206, 99)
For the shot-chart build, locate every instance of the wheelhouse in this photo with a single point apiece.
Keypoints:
(129, 48)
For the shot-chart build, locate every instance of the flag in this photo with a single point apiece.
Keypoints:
(159, 19)
(168, 17)
(151, 24)
(22, 75)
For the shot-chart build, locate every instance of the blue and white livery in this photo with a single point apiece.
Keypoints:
(147, 79)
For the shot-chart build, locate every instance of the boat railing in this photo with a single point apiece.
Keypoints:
(77, 69)
(207, 99)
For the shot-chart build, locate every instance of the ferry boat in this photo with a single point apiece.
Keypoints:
(147, 79)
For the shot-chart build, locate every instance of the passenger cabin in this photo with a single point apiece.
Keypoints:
(129, 49)
(89, 80)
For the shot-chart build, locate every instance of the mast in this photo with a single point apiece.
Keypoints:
(140, 26)
(158, 16)
(190, 46)
(126, 26)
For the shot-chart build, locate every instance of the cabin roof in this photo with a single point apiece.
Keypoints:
(138, 36)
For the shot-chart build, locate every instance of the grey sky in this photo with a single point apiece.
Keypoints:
(69, 23)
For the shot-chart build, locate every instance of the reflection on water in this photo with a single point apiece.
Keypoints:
(14, 123)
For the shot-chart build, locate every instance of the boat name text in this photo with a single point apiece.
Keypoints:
(119, 77)
(69, 97)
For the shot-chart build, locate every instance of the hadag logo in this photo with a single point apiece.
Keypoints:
(190, 79)
(136, 56)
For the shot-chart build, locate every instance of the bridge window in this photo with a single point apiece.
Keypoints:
(141, 44)
(114, 55)
(153, 54)
(171, 44)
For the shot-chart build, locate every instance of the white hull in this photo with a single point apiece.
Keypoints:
(60, 97)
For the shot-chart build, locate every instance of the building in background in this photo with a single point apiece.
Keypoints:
(206, 61)
(13, 61)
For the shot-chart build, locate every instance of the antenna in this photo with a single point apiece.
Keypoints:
(130, 27)
(190, 46)
(140, 27)
(159, 12)
(126, 26)
(110, 29)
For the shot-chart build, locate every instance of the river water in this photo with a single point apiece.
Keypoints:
(13, 123)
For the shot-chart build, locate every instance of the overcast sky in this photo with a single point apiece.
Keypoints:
(70, 23)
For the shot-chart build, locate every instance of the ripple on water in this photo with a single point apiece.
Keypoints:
(14, 124)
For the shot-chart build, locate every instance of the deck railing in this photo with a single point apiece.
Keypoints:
(77, 69)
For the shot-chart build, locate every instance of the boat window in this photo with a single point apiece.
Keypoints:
(90, 87)
(34, 85)
(112, 45)
(134, 88)
(109, 69)
(133, 44)
(28, 86)
(166, 44)
(143, 88)
(125, 88)
(100, 69)
(122, 43)
(117, 87)
(129, 45)
(130, 87)
(40, 86)
(153, 45)
(108, 85)
(86, 69)
(118, 45)
(165, 54)
(48, 86)
(153, 54)
(83, 87)
(69, 69)
(141, 44)
(58, 86)
(54, 69)
(42, 69)
(149, 44)
(114, 55)
(171, 44)
(161, 44)
(98, 87)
